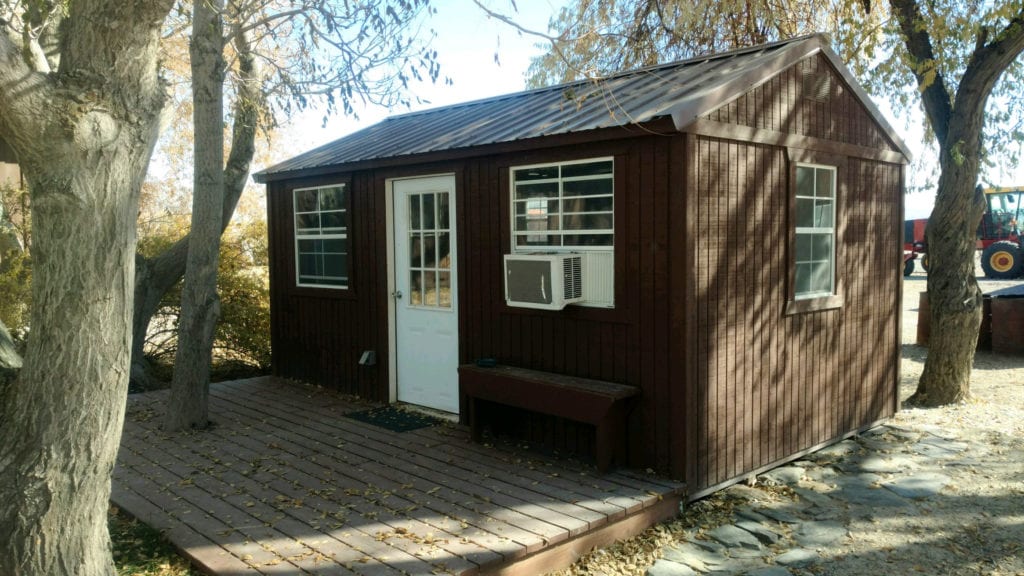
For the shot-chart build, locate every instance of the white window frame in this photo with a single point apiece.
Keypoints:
(320, 235)
(599, 266)
(830, 230)
(562, 232)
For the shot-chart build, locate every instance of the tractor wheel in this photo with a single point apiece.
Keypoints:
(924, 261)
(908, 267)
(1002, 260)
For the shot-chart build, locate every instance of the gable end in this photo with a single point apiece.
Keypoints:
(811, 99)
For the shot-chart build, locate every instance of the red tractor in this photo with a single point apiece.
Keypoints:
(999, 236)
(1002, 254)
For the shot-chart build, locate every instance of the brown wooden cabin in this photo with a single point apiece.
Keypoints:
(739, 217)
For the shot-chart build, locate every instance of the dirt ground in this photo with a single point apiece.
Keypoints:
(974, 525)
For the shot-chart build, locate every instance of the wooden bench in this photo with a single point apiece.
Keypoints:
(602, 404)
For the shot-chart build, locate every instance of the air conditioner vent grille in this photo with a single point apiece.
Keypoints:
(573, 270)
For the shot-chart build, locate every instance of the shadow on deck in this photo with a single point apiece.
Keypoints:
(283, 483)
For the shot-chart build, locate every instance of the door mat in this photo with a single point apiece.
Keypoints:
(394, 418)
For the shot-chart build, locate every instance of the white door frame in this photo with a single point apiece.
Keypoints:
(389, 195)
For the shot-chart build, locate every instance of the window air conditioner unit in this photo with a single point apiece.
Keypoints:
(544, 281)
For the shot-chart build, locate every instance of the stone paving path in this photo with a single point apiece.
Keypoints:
(797, 527)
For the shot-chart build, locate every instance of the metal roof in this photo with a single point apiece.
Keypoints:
(683, 90)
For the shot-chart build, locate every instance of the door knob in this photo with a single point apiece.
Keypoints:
(398, 295)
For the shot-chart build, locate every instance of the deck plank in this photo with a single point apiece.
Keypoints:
(533, 514)
(520, 527)
(284, 483)
(530, 474)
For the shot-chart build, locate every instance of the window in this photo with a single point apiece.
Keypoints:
(569, 207)
(321, 236)
(814, 276)
(566, 206)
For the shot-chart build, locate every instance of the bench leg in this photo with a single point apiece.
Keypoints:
(474, 421)
(606, 442)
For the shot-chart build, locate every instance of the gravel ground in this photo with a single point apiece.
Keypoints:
(971, 521)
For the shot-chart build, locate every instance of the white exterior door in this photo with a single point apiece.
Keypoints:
(426, 307)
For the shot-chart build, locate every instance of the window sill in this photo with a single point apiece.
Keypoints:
(321, 292)
(813, 305)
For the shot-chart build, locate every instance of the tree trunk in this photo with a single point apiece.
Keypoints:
(954, 298)
(200, 308)
(154, 277)
(83, 135)
(957, 116)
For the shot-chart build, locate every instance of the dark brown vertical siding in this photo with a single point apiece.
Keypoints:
(628, 344)
(769, 384)
(318, 335)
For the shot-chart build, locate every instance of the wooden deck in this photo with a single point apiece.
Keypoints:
(283, 483)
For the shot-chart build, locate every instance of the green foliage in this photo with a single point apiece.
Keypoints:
(242, 336)
(243, 332)
(142, 551)
(15, 262)
(16, 287)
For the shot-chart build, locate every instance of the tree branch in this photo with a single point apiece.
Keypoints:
(934, 93)
(23, 93)
(990, 59)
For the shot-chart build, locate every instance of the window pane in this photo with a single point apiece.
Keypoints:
(307, 264)
(803, 247)
(587, 221)
(333, 222)
(444, 260)
(335, 265)
(804, 212)
(536, 207)
(526, 191)
(804, 181)
(414, 212)
(803, 278)
(416, 288)
(587, 169)
(822, 213)
(538, 240)
(541, 173)
(307, 246)
(821, 247)
(588, 239)
(429, 250)
(307, 223)
(442, 211)
(596, 204)
(542, 223)
(305, 200)
(415, 250)
(587, 187)
(332, 198)
(428, 212)
(430, 288)
(824, 187)
(444, 289)
(821, 277)
(334, 246)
